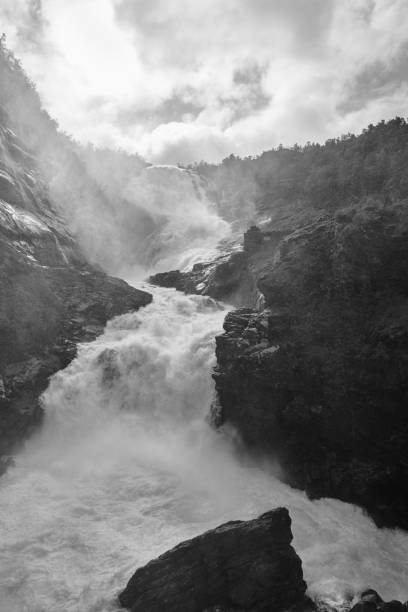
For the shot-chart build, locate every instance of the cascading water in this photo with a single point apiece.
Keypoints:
(126, 467)
(186, 226)
(154, 220)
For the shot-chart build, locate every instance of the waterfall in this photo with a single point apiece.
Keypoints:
(156, 220)
(126, 465)
(186, 226)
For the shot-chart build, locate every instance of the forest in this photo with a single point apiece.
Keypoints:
(326, 176)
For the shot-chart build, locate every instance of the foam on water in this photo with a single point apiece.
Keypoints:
(126, 467)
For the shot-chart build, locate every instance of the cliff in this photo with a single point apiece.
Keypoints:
(318, 379)
(51, 297)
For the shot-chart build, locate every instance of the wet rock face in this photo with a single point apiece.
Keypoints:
(231, 277)
(241, 565)
(51, 298)
(319, 379)
(228, 278)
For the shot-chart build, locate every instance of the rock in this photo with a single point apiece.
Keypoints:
(241, 565)
(371, 596)
(227, 278)
(172, 279)
(370, 601)
(5, 463)
(319, 379)
(253, 239)
(394, 606)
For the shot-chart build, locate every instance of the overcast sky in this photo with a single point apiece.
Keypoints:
(183, 80)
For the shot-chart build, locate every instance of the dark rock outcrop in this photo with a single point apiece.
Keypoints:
(227, 278)
(241, 565)
(50, 296)
(319, 378)
(370, 601)
(253, 239)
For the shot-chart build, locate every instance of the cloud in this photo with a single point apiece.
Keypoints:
(25, 22)
(177, 80)
(174, 143)
(375, 81)
(180, 106)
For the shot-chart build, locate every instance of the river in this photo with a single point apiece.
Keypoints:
(126, 466)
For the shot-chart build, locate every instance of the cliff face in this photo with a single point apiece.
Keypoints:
(51, 297)
(319, 378)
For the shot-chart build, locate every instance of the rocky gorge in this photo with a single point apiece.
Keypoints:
(310, 375)
(312, 368)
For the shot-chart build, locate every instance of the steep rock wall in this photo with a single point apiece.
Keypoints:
(318, 379)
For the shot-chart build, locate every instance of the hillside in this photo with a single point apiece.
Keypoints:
(288, 187)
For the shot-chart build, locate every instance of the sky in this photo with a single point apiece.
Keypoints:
(188, 80)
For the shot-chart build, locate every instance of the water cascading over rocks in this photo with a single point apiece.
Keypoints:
(126, 467)
(51, 297)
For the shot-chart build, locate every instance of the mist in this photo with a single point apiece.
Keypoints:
(130, 217)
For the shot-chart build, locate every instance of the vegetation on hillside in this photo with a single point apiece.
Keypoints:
(328, 176)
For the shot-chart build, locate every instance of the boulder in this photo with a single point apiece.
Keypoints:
(241, 565)
(370, 601)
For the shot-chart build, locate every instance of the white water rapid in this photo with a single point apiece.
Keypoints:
(126, 466)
